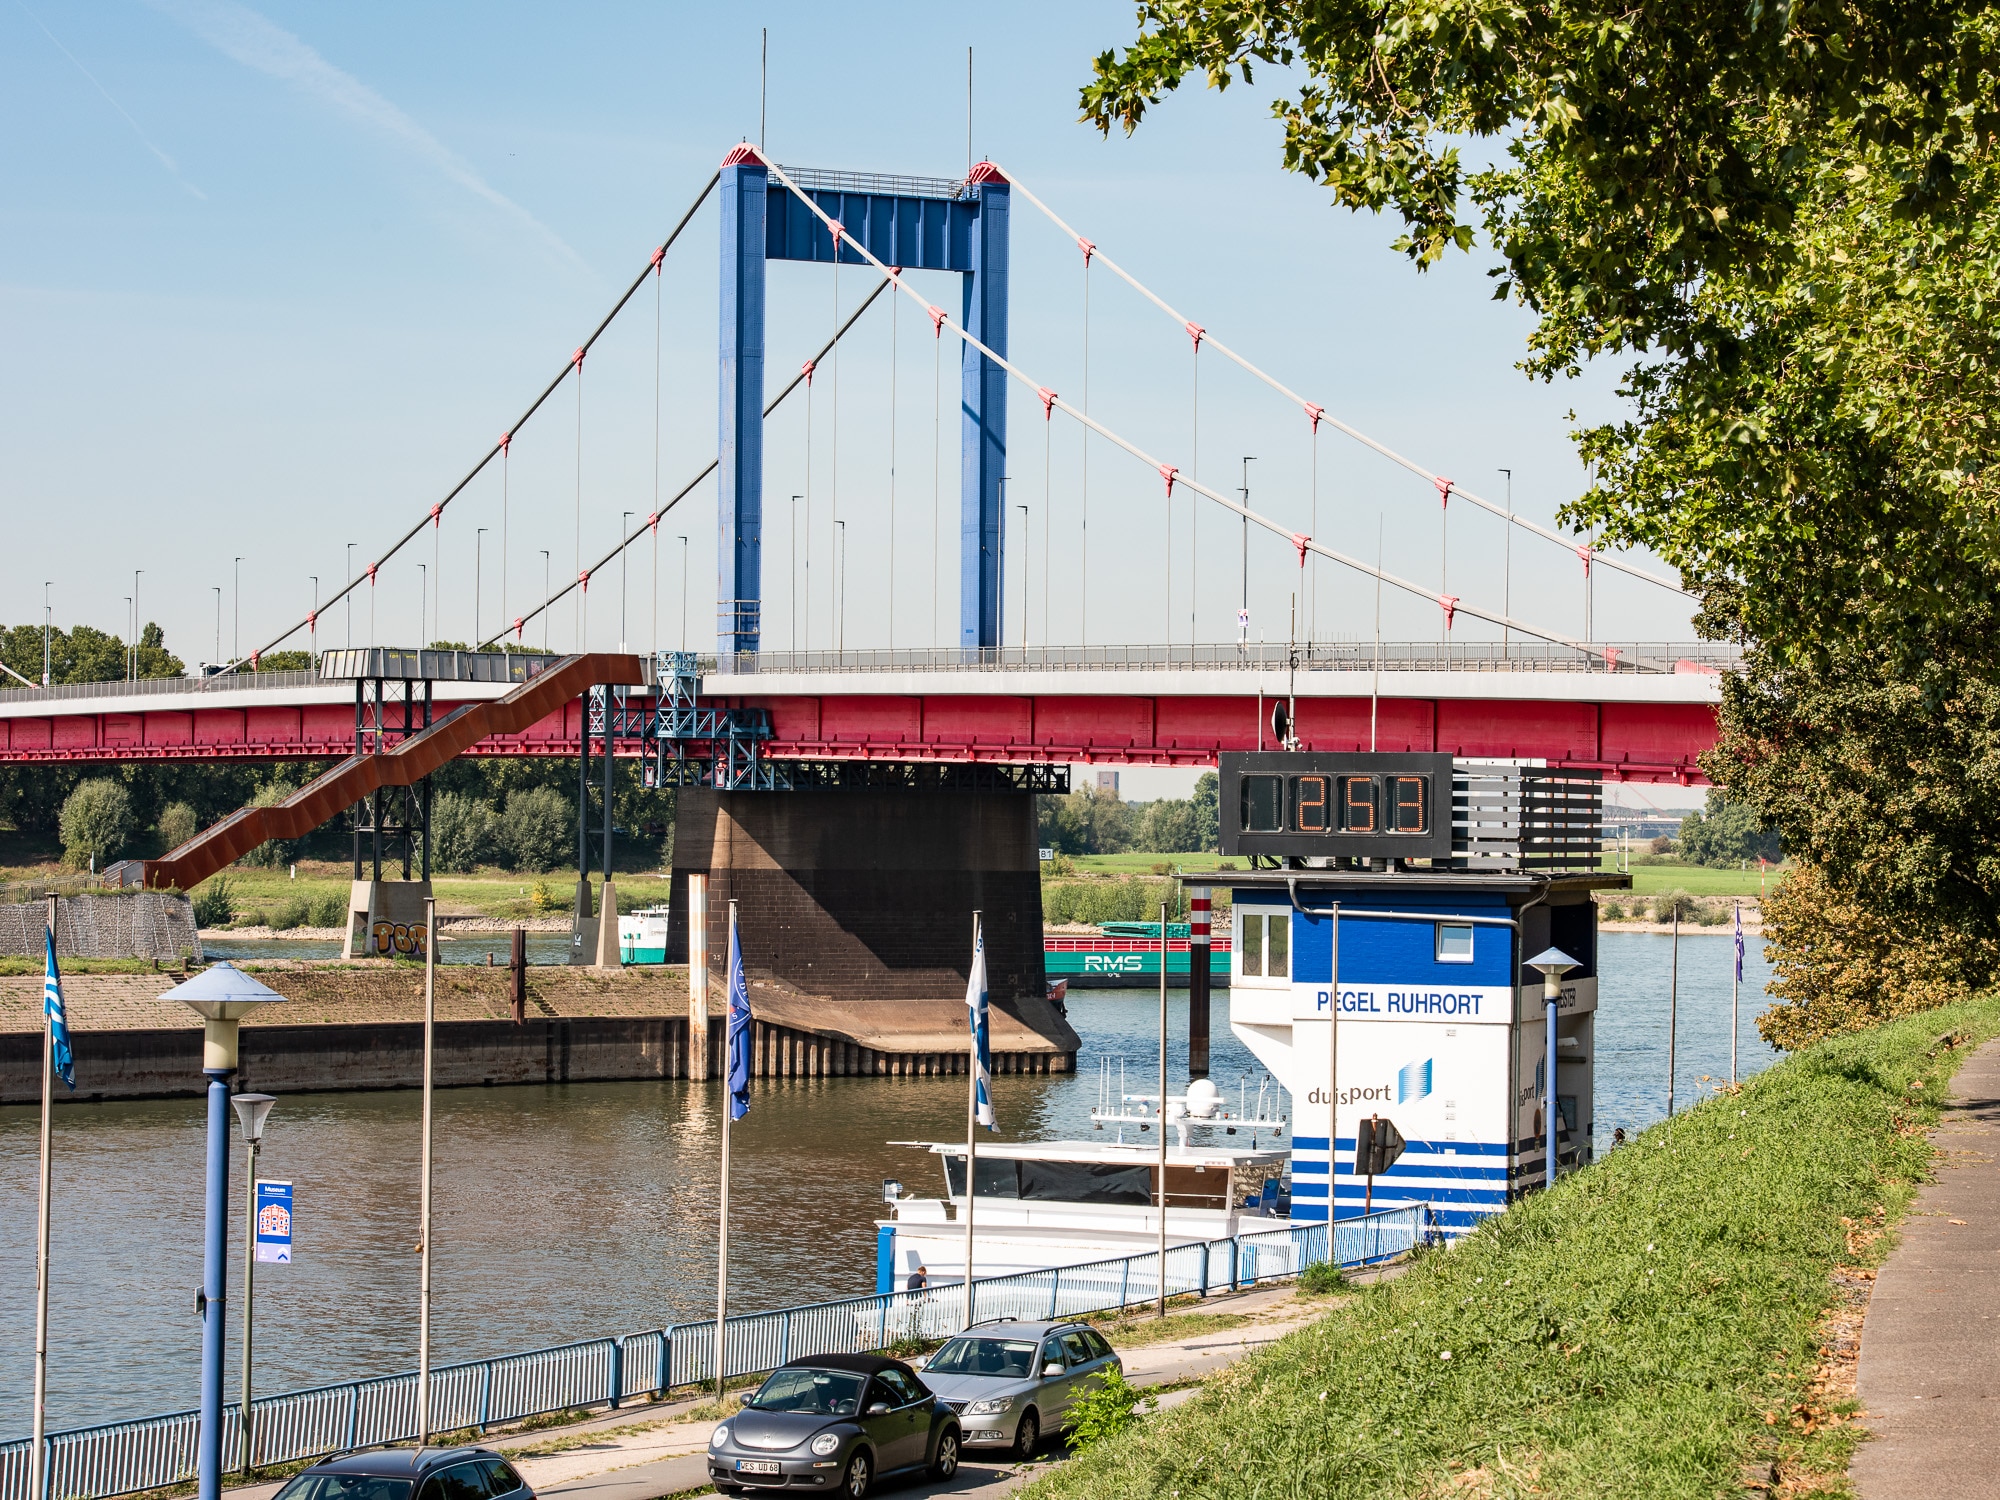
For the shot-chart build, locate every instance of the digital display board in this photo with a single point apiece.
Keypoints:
(1308, 804)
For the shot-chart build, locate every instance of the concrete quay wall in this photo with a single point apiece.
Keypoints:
(361, 1027)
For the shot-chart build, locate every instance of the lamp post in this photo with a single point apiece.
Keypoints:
(251, 1112)
(545, 600)
(840, 590)
(478, 580)
(48, 619)
(1552, 963)
(218, 623)
(624, 573)
(221, 995)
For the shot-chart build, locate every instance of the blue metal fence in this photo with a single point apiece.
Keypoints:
(119, 1458)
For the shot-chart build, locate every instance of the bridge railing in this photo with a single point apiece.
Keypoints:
(1265, 656)
(119, 1458)
(151, 687)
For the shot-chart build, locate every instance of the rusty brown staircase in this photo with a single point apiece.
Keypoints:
(327, 796)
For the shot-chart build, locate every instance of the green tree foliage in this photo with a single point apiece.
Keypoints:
(1095, 901)
(274, 853)
(537, 829)
(1085, 823)
(1726, 834)
(464, 834)
(177, 824)
(215, 906)
(1207, 802)
(85, 654)
(1785, 222)
(96, 823)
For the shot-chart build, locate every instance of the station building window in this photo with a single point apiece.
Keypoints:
(1263, 945)
(1454, 942)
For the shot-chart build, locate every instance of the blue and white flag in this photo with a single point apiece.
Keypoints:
(52, 1007)
(738, 1050)
(1739, 942)
(982, 1045)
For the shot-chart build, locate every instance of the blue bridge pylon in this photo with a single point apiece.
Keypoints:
(916, 223)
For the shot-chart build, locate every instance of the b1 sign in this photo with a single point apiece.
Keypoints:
(274, 1222)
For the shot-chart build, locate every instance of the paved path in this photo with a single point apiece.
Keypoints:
(1930, 1348)
(645, 1452)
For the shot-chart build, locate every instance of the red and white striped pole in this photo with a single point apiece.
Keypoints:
(1198, 981)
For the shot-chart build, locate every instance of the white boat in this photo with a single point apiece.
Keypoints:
(642, 936)
(1062, 1203)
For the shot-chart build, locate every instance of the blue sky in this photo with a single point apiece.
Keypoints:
(272, 278)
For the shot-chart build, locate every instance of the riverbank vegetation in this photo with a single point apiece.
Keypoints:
(1652, 1328)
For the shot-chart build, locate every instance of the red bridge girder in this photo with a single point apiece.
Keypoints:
(1627, 740)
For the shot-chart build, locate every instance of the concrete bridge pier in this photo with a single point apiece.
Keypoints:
(855, 906)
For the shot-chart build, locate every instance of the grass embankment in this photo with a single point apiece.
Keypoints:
(1652, 1328)
(1656, 874)
(261, 895)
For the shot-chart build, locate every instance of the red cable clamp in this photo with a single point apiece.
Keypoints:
(1087, 248)
(658, 256)
(1167, 472)
(312, 619)
(937, 320)
(1450, 603)
(806, 370)
(436, 512)
(1611, 658)
(254, 655)
(653, 521)
(1584, 555)
(577, 359)
(584, 579)
(1048, 401)
(506, 441)
(1444, 488)
(895, 273)
(371, 574)
(518, 623)
(1299, 542)
(1196, 332)
(1314, 413)
(834, 227)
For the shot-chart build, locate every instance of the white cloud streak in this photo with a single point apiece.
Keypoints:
(144, 140)
(248, 38)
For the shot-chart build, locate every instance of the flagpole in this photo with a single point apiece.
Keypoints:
(722, 1240)
(1735, 986)
(1161, 1118)
(38, 1458)
(424, 1196)
(971, 1131)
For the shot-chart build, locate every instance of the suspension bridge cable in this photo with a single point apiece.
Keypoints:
(1169, 472)
(687, 489)
(1319, 414)
(507, 437)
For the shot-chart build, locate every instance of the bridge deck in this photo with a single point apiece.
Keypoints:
(1641, 725)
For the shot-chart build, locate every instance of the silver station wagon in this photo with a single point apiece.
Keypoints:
(1012, 1382)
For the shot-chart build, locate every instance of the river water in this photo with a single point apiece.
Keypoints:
(571, 1211)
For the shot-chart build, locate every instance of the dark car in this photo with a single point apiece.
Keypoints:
(410, 1474)
(836, 1422)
